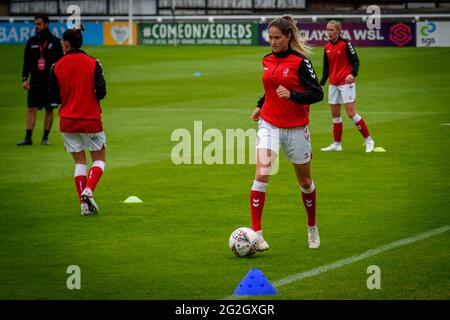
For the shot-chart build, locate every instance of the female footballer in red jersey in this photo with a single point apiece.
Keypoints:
(78, 84)
(341, 64)
(290, 86)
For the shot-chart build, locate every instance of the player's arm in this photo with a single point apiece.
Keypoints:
(26, 66)
(326, 69)
(352, 58)
(54, 97)
(313, 91)
(99, 81)
(260, 102)
(59, 50)
(257, 111)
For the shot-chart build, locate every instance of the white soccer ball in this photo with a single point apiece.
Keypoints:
(243, 242)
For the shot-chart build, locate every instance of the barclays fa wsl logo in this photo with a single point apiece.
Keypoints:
(400, 34)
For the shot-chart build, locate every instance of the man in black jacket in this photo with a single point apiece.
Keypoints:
(41, 52)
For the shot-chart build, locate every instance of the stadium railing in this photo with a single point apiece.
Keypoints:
(239, 18)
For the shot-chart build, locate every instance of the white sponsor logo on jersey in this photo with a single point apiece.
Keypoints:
(310, 68)
(352, 50)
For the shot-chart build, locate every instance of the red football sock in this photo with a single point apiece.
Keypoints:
(256, 205)
(362, 127)
(309, 200)
(95, 173)
(80, 183)
(337, 131)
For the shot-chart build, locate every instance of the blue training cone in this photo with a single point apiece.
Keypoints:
(254, 284)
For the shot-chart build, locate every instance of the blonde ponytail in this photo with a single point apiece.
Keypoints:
(288, 26)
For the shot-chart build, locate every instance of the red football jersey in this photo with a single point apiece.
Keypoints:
(294, 72)
(339, 60)
(79, 83)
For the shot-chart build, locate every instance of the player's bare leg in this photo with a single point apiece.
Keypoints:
(80, 178)
(337, 128)
(350, 108)
(99, 155)
(265, 158)
(31, 121)
(303, 173)
(360, 124)
(31, 118)
(47, 126)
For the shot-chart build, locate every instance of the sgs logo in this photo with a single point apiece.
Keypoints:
(426, 31)
(428, 41)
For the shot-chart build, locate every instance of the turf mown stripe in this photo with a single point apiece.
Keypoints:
(343, 262)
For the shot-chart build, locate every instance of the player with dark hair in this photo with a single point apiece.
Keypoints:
(78, 84)
(41, 51)
(341, 64)
(290, 86)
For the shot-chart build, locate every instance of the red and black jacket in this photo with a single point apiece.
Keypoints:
(295, 72)
(339, 60)
(78, 84)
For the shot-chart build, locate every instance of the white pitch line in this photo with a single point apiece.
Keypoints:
(350, 260)
(445, 124)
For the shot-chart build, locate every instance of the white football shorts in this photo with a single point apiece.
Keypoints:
(341, 94)
(76, 142)
(295, 141)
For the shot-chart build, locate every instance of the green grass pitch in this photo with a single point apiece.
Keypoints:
(175, 244)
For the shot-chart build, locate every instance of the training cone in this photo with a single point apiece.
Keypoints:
(379, 149)
(254, 284)
(133, 199)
